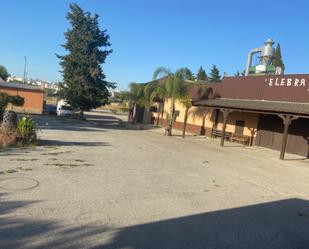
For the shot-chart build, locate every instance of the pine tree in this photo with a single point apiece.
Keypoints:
(277, 61)
(187, 73)
(201, 74)
(84, 86)
(214, 74)
(239, 74)
(4, 73)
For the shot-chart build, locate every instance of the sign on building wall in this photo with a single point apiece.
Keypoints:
(286, 82)
(289, 88)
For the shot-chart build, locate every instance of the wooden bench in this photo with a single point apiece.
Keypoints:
(218, 133)
(245, 140)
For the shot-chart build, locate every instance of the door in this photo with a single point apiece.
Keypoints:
(239, 127)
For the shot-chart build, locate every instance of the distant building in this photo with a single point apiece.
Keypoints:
(114, 92)
(14, 79)
(33, 96)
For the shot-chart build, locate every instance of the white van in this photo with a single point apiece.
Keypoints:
(64, 109)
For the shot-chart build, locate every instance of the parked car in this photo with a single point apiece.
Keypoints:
(50, 109)
(64, 109)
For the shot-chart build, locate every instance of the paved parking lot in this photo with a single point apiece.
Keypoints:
(98, 185)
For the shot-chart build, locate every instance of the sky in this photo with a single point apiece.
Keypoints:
(146, 34)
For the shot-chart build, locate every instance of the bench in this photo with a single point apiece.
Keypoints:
(245, 140)
(218, 133)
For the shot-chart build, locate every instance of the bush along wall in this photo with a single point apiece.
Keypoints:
(12, 130)
(22, 132)
(26, 131)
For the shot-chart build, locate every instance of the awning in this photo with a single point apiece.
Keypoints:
(259, 106)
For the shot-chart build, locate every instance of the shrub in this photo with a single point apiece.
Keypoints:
(124, 109)
(5, 99)
(114, 110)
(26, 130)
(16, 100)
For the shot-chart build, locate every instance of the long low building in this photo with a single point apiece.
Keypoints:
(270, 111)
(33, 96)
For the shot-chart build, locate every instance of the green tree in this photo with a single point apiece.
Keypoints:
(201, 113)
(214, 74)
(6, 99)
(4, 73)
(277, 61)
(173, 88)
(201, 74)
(84, 86)
(50, 92)
(239, 74)
(187, 73)
(124, 96)
(136, 98)
(186, 102)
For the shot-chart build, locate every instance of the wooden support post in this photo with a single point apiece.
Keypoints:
(130, 112)
(216, 118)
(287, 120)
(225, 113)
(252, 131)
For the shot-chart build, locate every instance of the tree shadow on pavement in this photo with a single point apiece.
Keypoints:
(112, 123)
(46, 142)
(92, 123)
(277, 225)
(64, 123)
(19, 232)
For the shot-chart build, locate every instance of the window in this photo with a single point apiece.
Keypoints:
(66, 108)
(239, 127)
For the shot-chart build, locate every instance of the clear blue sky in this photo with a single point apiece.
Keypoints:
(146, 34)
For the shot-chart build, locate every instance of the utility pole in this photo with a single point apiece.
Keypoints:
(25, 67)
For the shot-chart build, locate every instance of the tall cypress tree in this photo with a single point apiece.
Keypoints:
(214, 74)
(201, 74)
(238, 74)
(4, 73)
(277, 61)
(84, 86)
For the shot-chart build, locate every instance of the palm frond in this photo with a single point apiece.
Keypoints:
(199, 112)
(184, 73)
(161, 71)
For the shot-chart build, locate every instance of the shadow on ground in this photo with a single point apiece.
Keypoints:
(25, 233)
(276, 225)
(15, 151)
(111, 122)
(64, 123)
(45, 142)
(93, 123)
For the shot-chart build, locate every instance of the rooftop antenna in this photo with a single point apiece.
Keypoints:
(25, 67)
